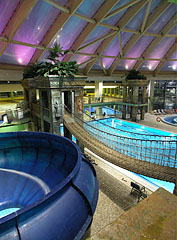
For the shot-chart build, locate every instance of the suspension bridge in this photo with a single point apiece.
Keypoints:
(156, 158)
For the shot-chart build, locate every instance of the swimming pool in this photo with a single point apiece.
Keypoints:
(172, 120)
(135, 140)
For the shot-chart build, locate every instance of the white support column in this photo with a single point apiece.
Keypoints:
(72, 108)
(98, 88)
(63, 102)
(150, 95)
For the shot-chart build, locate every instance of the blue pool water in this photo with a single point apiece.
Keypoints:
(135, 140)
(157, 146)
(159, 183)
(8, 211)
(137, 129)
(172, 120)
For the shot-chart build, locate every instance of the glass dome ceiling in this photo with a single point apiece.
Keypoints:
(102, 35)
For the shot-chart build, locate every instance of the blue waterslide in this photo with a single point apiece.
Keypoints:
(54, 187)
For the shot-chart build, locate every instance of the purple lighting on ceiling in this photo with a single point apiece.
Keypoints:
(87, 8)
(162, 20)
(16, 54)
(162, 48)
(114, 48)
(37, 24)
(7, 8)
(126, 64)
(139, 47)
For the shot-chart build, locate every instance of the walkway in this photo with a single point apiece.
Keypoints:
(117, 158)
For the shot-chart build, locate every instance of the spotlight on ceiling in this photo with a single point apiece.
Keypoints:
(174, 67)
(150, 67)
(126, 66)
(20, 60)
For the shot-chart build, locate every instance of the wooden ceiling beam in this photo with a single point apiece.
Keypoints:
(99, 15)
(58, 6)
(168, 54)
(158, 11)
(131, 12)
(14, 23)
(127, 5)
(87, 61)
(97, 40)
(104, 70)
(146, 15)
(62, 18)
(168, 27)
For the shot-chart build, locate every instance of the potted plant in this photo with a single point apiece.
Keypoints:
(54, 66)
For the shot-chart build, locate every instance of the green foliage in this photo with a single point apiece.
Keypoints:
(134, 74)
(173, 1)
(54, 67)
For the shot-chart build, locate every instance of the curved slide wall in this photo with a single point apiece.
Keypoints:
(46, 176)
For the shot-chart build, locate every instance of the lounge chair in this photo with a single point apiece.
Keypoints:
(163, 112)
(141, 191)
(155, 112)
(159, 112)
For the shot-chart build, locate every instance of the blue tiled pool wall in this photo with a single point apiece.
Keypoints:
(157, 147)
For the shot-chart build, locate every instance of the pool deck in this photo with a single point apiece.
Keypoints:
(150, 120)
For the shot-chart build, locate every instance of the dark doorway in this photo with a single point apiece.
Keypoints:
(46, 126)
(68, 99)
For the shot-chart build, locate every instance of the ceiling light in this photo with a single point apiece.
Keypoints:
(20, 60)
(38, 28)
(150, 67)
(126, 66)
(174, 67)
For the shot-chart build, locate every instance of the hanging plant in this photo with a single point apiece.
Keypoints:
(134, 74)
(54, 66)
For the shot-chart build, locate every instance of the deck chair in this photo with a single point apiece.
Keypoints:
(159, 112)
(163, 112)
(155, 112)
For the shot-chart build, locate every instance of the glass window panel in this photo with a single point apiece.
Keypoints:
(162, 20)
(162, 48)
(148, 65)
(92, 48)
(7, 8)
(170, 66)
(61, 2)
(98, 32)
(97, 65)
(113, 48)
(107, 62)
(126, 64)
(37, 24)
(115, 18)
(66, 36)
(80, 59)
(16, 54)
(88, 8)
(174, 30)
(139, 46)
(137, 20)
